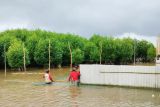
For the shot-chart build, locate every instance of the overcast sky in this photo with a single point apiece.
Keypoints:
(140, 18)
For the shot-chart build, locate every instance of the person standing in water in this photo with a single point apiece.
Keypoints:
(48, 77)
(74, 77)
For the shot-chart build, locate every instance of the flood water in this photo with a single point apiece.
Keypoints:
(18, 90)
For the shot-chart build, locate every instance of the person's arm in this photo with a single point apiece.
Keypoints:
(50, 78)
(69, 77)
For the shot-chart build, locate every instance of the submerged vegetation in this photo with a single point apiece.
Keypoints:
(97, 49)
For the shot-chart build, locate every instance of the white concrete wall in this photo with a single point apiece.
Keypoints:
(122, 75)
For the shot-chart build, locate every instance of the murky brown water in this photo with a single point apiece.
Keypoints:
(18, 90)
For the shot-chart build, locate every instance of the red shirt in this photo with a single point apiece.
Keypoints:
(74, 76)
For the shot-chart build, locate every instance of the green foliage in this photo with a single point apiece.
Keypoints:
(97, 39)
(108, 52)
(41, 52)
(142, 48)
(15, 54)
(31, 42)
(77, 56)
(151, 53)
(56, 51)
(91, 53)
(111, 50)
(99, 42)
(75, 42)
(127, 50)
(5, 40)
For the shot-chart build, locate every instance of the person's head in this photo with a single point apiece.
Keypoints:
(47, 71)
(77, 67)
(74, 69)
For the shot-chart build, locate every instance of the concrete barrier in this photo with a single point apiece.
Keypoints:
(121, 75)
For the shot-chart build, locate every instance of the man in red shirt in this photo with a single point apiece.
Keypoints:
(74, 76)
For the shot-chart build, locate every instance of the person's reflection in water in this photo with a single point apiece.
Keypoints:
(74, 93)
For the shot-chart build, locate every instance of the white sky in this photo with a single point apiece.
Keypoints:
(84, 17)
(151, 39)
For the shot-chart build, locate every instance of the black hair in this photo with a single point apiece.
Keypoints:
(47, 71)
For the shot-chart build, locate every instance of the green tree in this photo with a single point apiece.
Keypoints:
(75, 42)
(56, 51)
(41, 55)
(91, 53)
(31, 43)
(123, 51)
(127, 50)
(99, 42)
(15, 54)
(98, 48)
(77, 56)
(142, 48)
(108, 50)
(5, 40)
(151, 53)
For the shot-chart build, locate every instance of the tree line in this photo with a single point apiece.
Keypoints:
(97, 49)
